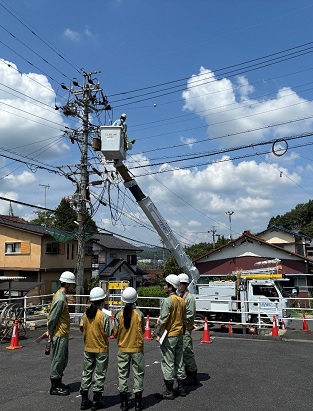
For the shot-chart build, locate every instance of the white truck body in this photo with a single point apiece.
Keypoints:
(244, 301)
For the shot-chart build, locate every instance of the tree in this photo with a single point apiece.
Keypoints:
(44, 218)
(63, 218)
(299, 219)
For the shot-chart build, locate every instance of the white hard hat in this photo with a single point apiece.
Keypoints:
(173, 280)
(68, 277)
(97, 293)
(129, 295)
(183, 278)
(123, 115)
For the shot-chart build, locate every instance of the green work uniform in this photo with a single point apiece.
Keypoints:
(59, 329)
(189, 356)
(96, 350)
(130, 350)
(172, 319)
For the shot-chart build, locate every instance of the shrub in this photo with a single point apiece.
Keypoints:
(152, 291)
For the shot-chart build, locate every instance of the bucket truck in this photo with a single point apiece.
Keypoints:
(252, 298)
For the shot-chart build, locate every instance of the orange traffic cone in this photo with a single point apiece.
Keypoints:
(230, 328)
(14, 340)
(283, 327)
(112, 325)
(206, 333)
(275, 328)
(147, 335)
(305, 326)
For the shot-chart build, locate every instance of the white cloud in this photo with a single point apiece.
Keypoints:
(29, 123)
(24, 179)
(229, 111)
(72, 35)
(188, 141)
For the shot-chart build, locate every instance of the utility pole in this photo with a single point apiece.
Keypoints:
(213, 231)
(88, 98)
(229, 213)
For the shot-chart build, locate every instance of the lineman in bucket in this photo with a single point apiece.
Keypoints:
(189, 356)
(58, 333)
(129, 329)
(96, 328)
(173, 322)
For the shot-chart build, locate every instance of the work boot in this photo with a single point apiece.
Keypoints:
(180, 388)
(86, 403)
(96, 401)
(168, 394)
(124, 401)
(67, 387)
(56, 389)
(192, 379)
(138, 398)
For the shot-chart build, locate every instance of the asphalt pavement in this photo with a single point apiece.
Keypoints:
(236, 372)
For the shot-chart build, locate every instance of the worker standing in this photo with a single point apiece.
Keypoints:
(189, 356)
(58, 333)
(172, 321)
(96, 328)
(129, 329)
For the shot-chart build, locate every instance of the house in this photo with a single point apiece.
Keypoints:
(38, 253)
(242, 254)
(115, 260)
(289, 240)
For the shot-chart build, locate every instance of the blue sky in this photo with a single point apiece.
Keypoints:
(206, 86)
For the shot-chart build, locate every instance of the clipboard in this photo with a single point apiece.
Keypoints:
(163, 337)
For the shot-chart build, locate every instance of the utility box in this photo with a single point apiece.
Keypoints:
(113, 145)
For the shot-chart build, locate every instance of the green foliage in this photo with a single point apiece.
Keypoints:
(195, 251)
(299, 219)
(63, 218)
(152, 291)
(90, 284)
(44, 218)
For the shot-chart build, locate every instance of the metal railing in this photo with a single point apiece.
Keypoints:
(38, 313)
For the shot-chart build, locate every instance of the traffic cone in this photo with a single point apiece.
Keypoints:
(112, 325)
(206, 333)
(275, 328)
(305, 326)
(147, 335)
(283, 327)
(14, 339)
(230, 328)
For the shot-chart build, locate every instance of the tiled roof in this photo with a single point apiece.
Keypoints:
(110, 242)
(113, 266)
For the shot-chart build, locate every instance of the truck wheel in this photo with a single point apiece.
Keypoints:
(199, 322)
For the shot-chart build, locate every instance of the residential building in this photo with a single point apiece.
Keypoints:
(115, 260)
(38, 253)
(242, 254)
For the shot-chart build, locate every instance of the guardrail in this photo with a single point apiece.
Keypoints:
(38, 313)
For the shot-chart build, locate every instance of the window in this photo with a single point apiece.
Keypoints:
(12, 248)
(267, 291)
(132, 259)
(52, 248)
(18, 247)
(88, 249)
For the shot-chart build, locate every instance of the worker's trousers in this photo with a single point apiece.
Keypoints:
(172, 358)
(135, 360)
(189, 356)
(59, 357)
(94, 363)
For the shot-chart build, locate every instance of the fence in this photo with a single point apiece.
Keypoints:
(37, 315)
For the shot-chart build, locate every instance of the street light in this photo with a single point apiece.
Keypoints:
(229, 213)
